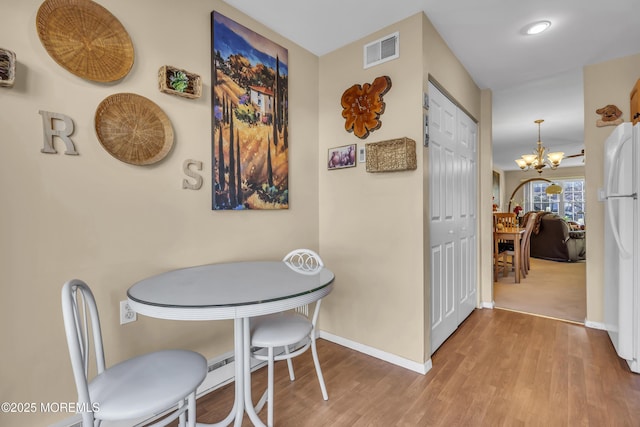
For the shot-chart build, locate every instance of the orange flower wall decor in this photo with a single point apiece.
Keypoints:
(362, 106)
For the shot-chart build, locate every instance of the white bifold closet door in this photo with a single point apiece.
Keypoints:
(453, 178)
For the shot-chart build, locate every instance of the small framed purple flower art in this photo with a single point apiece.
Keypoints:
(250, 132)
(342, 157)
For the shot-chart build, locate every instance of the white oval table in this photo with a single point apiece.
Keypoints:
(239, 291)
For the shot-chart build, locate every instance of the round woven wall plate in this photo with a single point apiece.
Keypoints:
(85, 39)
(133, 129)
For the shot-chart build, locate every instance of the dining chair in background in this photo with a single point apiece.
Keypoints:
(525, 246)
(506, 220)
(531, 223)
(144, 386)
(288, 329)
(499, 262)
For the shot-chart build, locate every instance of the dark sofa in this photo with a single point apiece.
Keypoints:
(553, 239)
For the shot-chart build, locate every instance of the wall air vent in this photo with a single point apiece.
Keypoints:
(382, 50)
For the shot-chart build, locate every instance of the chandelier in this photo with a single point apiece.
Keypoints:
(536, 160)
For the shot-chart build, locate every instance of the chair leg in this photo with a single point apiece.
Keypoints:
(292, 376)
(191, 416)
(182, 417)
(89, 420)
(188, 417)
(499, 264)
(316, 362)
(270, 388)
(505, 264)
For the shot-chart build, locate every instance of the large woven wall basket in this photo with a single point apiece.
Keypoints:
(133, 129)
(85, 39)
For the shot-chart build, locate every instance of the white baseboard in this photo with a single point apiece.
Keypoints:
(490, 304)
(595, 325)
(379, 354)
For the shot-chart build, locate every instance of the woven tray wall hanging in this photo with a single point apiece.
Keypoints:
(133, 129)
(85, 39)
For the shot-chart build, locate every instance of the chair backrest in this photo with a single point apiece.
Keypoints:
(531, 220)
(82, 325)
(508, 219)
(305, 261)
(525, 242)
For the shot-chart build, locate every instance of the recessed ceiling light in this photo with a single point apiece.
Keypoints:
(537, 27)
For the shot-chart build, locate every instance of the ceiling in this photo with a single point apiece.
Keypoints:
(531, 77)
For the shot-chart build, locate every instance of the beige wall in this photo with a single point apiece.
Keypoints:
(372, 226)
(485, 206)
(96, 218)
(606, 83)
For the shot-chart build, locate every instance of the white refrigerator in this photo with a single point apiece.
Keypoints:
(622, 255)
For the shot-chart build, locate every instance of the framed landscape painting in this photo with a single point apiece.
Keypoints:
(250, 135)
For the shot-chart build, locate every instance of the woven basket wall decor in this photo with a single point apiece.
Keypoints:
(391, 155)
(133, 129)
(85, 39)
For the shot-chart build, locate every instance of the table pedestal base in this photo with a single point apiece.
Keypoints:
(243, 401)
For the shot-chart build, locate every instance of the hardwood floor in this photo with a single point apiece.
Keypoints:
(500, 368)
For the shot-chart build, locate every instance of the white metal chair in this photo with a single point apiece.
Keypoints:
(143, 386)
(285, 330)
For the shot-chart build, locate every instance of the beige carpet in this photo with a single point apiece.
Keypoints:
(554, 289)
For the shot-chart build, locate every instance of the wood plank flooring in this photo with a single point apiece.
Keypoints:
(500, 368)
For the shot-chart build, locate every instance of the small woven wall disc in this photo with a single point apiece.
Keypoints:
(85, 39)
(133, 129)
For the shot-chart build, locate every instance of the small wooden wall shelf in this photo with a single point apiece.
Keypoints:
(391, 155)
(179, 82)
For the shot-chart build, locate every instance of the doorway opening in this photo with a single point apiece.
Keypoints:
(552, 289)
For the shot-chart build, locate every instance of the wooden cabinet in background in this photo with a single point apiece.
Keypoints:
(635, 103)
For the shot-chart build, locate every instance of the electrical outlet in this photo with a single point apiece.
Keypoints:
(126, 313)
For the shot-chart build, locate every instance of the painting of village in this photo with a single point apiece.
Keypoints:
(250, 146)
